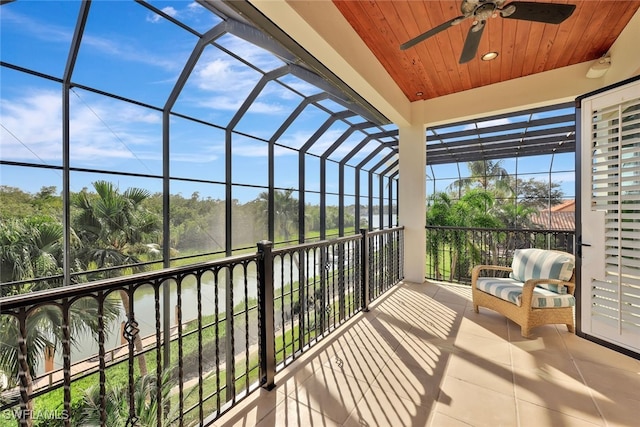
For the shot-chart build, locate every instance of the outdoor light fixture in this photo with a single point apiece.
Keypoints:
(489, 56)
(419, 93)
(599, 68)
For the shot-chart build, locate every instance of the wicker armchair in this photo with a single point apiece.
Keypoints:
(524, 297)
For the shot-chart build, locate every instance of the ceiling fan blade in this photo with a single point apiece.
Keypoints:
(432, 32)
(472, 42)
(548, 13)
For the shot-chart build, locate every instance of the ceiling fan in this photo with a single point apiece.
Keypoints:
(482, 10)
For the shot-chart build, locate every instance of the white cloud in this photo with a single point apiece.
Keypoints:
(295, 139)
(326, 140)
(128, 50)
(232, 84)
(39, 29)
(36, 123)
(171, 11)
(104, 130)
(155, 18)
(224, 75)
(253, 54)
(195, 7)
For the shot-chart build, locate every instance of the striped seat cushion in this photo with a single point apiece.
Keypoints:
(510, 290)
(542, 264)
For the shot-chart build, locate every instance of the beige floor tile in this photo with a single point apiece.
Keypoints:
(569, 397)
(251, 410)
(295, 376)
(330, 392)
(380, 409)
(425, 288)
(532, 415)
(610, 381)
(620, 411)
(441, 420)
(410, 382)
(547, 360)
(291, 413)
(455, 294)
(436, 319)
(369, 338)
(455, 304)
(475, 405)
(358, 361)
(481, 372)
(487, 324)
(486, 348)
(582, 349)
(386, 328)
(425, 354)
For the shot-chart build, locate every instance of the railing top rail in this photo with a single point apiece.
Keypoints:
(31, 298)
(386, 230)
(318, 244)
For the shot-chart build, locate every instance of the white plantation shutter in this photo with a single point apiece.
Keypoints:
(615, 191)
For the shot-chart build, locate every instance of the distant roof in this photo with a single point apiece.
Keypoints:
(564, 220)
(568, 206)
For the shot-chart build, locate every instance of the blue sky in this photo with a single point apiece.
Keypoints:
(133, 53)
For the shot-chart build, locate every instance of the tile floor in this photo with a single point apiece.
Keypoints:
(422, 357)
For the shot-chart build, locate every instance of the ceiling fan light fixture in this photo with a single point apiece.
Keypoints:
(599, 68)
(481, 10)
(489, 56)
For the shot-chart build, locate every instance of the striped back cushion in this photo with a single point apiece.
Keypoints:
(542, 264)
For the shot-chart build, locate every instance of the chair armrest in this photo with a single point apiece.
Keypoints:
(530, 285)
(475, 273)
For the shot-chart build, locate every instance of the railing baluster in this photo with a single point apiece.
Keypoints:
(200, 349)
(159, 406)
(230, 358)
(102, 364)
(282, 309)
(267, 332)
(364, 264)
(216, 308)
(24, 374)
(302, 298)
(66, 359)
(130, 331)
(246, 327)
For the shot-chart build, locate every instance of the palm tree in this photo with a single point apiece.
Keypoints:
(474, 209)
(146, 400)
(114, 229)
(485, 174)
(438, 214)
(31, 248)
(285, 210)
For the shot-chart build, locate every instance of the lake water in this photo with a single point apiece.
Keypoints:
(144, 305)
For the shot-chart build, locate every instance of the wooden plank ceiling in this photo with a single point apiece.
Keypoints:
(430, 69)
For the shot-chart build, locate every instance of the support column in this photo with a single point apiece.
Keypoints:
(412, 200)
